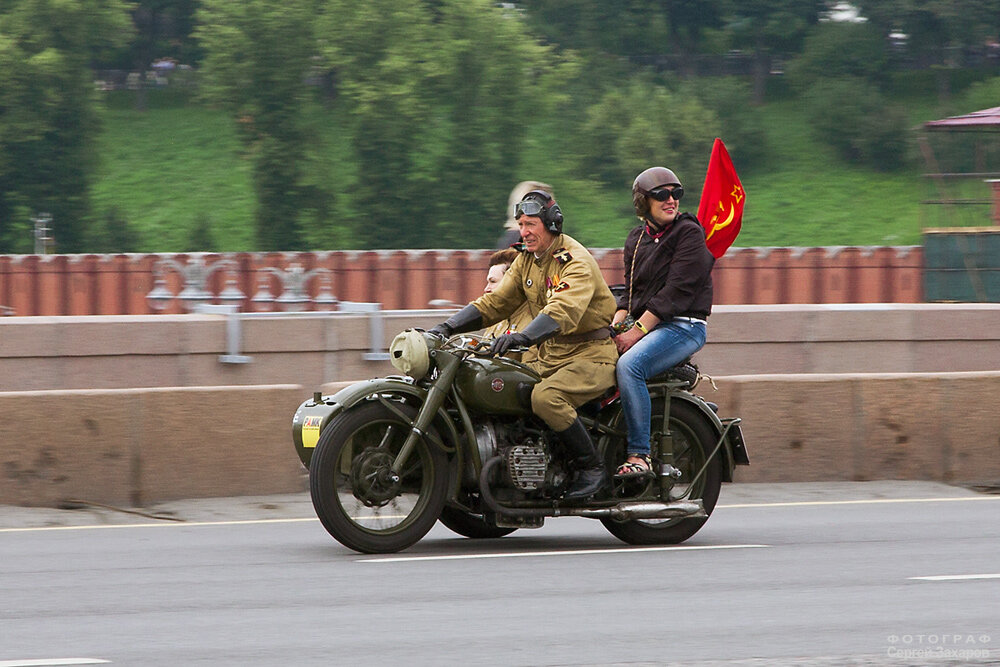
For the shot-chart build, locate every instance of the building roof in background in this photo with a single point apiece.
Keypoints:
(984, 118)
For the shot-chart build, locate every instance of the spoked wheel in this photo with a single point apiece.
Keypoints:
(471, 525)
(358, 498)
(693, 440)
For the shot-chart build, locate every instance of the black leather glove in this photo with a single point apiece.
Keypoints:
(504, 342)
(538, 329)
(467, 319)
(442, 330)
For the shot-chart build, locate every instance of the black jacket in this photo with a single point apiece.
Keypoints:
(670, 276)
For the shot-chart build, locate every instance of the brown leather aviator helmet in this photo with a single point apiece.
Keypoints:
(650, 179)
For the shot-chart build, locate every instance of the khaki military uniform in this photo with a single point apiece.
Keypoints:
(565, 284)
(513, 324)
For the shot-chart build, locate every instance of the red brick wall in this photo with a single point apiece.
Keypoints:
(404, 279)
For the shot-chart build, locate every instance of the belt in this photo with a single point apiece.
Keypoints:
(596, 334)
(692, 320)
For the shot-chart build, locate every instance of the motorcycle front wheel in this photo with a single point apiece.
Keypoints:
(356, 495)
(693, 440)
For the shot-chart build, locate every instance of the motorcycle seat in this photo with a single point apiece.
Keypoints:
(686, 371)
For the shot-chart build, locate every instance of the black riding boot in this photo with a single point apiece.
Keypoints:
(592, 476)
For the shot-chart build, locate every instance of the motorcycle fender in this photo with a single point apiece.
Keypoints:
(312, 417)
(728, 460)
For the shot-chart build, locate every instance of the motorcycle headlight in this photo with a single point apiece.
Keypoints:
(408, 354)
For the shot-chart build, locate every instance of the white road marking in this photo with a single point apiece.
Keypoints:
(46, 662)
(956, 577)
(567, 552)
(171, 524)
(875, 501)
(805, 503)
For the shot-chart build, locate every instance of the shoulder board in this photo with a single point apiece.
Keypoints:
(562, 255)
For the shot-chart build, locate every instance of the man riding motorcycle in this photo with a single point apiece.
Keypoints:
(572, 308)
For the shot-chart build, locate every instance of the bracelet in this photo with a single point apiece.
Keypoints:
(641, 327)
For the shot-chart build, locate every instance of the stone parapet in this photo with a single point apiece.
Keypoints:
(34, 285)
(310, 349)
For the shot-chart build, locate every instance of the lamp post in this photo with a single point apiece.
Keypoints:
(293, 297)
(43, 233)
(195, 274)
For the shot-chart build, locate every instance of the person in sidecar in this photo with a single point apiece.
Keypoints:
(500, 261)
(571, 308)
(668, 292)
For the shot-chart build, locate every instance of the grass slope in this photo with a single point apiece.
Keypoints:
(166, 168)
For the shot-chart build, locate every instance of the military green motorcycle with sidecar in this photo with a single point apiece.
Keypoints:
(454, 439)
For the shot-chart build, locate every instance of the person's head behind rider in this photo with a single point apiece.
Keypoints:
(656, 195)
(500, 261)
(539, 220)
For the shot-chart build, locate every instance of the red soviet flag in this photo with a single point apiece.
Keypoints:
(722, 200)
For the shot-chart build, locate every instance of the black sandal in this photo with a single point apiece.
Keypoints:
(631, 469)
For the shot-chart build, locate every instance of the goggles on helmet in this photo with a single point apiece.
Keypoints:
(663, 194)
(528, 207)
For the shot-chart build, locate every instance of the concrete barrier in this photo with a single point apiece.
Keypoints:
(857, 427)
(141, 446)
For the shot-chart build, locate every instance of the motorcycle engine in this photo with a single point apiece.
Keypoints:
(527, 464)
(527, 458)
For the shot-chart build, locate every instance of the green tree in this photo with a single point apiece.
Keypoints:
(643, 124)
(113, 233)
(258, 54)
(936, 30)
(163, 30)
(48, 121)
(769, 27)
(742, 123)
(852, 116)
(437, 98)
(496, 82)
(840, 49)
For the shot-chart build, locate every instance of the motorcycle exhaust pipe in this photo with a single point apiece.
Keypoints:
(620, 512)
(648, 510)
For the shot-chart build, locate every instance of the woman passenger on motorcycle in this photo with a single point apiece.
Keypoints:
(668, 292)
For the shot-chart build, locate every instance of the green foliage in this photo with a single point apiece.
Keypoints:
(835, 50)
(934, 27)
(201, 237)
(257, 57)
(47, 117)
(851, 115)
(438, 105)
(742, 124)
(982, 95)
(766, 27)
(113, 234)
(643, 125)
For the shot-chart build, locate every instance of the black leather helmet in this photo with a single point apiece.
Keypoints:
(542, 204)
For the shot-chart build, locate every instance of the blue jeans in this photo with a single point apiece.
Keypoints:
(670, 343)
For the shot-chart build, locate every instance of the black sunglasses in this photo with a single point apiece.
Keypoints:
(663, 194)
(528, 207)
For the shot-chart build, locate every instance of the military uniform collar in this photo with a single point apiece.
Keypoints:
(556, 245)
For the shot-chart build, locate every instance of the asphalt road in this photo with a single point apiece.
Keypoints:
(809, 574)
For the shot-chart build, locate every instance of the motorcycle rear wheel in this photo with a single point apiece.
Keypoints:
(352, 489)
(471, 525)
(693, 440)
